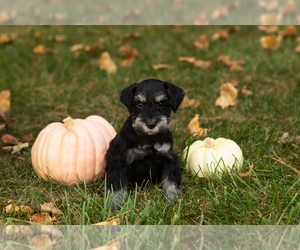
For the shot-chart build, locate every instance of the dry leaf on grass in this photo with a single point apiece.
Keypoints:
(5, 100)
(7, 38)
(131, 36)
(42, 218)
(76, 47)
(93, 47)
(9, 139)
(224, 58)
(16, 148)
(41, 49)
(42, 241)
(236, 67)
(201, 19)
(220, 34)
(186, 59)
(244, 175)
(270, 5)
(13, 209)
(194, 128)
(116, 221)
(201, 42)
(129, 53)
(297, 49)
(246, 91)
(270, 42)
(202, 64)
(268, 28)
(228, 95)
(161, 66)
(50, 207)
(187, 103)
(288, 31)
(57, 38)
(106, 63)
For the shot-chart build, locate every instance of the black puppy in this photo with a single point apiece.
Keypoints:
(142, 150)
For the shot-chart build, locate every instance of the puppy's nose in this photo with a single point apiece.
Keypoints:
(151, 124)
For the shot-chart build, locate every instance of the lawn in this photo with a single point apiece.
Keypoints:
(47, 88)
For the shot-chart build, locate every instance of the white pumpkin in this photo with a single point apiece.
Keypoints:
(212, 156)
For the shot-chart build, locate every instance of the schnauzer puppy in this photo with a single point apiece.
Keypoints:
(142, 150)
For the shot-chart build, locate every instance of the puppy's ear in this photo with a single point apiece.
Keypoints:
(127, 94)
(176, 95)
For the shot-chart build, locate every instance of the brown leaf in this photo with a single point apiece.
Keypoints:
(13, 209)
(186, 59)
(42, 241)
(42, 218)
(26, 138)
(220, 34)
(127, 62)
(106, 63)
(202, 64)
(186, 103)
(246, 91)
(297, 49)
(9, 139)
(201, 42)
(5, 101)
(127, 51)
(50, 207)
(161, 66)
(194, 128)
(233, 29)
(290, 30)
(224, 58)
(270, 42)
(228, 95)
(93, 47)
(270, 5)
(3, 126)
(131, 36)
(220, 11)
(57, 38)
(236, 67)
(116, 221)
(17, 147)
(244, 175)
(268, 28)
(41, 49)
(201, 19)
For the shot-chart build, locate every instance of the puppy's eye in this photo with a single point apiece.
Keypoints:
(161, 104)
(140, 105)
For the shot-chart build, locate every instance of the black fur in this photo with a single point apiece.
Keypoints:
(142, 150)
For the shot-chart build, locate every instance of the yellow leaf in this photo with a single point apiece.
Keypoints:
(116, 221)
(202, 64)
(41, 49)
(106, 63)
(186, 59)
(235, 67)
(228, 95)
(5, 100)
(76, 47)
(297, 49)
(161, 66)
(270, 42)
(194, 128)
(7, 38)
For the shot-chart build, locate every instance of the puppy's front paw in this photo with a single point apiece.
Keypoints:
(116, 199)
(174, 196)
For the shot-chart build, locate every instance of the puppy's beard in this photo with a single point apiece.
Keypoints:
(141, 128)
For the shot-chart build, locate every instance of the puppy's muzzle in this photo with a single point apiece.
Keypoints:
(151, 124)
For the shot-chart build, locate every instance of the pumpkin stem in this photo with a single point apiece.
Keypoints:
(69, 123)
(209, 143)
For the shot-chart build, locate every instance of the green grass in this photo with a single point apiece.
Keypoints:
(48, 88)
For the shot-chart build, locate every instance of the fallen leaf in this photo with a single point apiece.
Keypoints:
(186, 59)
(268, 28)
(13, 209)
(5, 100)
(187, 103)
(201, 42)
(26, 138)
(76, 47)
(270, 42)
(113, 246)
(289, 8)
(235, 67)
(228, 95)
(7, 38)
(41, 49)
(57, 38)
(234, 82)
(220, 34)
(42, 241)
(297, 49)
(244, 175)
(106, 63)
(194, 128)
(131, 36)
(270, 5)
(202, 64)
(290, 30)
(16, 231)
(201, 19)
(220, 11)
(246, 91)
(3, 126)
(116, 221)
(42, 218)
(93, 47)
(161, 66)
(2, 116)
(9, 139)
(269, 19)
(16, 148)
(50, 207)
(224, 58)
(233, 29)
(77, 54)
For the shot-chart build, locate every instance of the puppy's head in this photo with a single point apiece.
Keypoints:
(150, 104)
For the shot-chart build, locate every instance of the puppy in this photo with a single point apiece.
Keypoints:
(142, 150)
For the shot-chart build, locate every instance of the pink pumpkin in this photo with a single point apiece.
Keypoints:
(73, 150)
